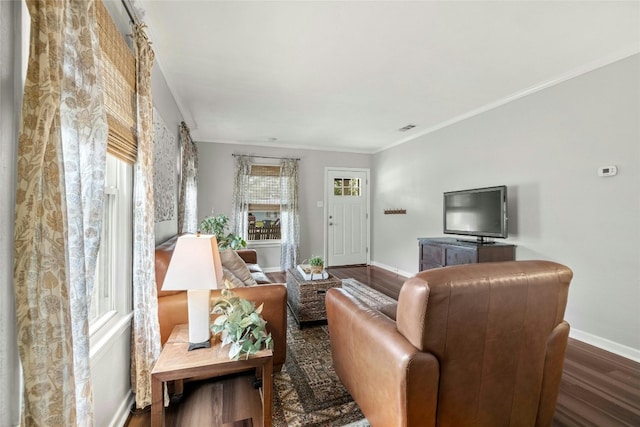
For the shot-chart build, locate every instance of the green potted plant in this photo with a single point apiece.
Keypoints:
(316, 264)
(217, 225)
(240, 324)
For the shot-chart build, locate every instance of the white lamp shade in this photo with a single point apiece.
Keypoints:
(195, 264)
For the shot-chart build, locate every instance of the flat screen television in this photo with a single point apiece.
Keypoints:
(479, 212)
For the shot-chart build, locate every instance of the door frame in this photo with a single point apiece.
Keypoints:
(367, 173)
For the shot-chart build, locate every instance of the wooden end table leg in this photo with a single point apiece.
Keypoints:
(157, 402)
(267, 382)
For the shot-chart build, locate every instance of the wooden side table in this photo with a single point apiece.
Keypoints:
(177, 363)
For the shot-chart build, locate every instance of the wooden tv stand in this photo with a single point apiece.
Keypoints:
(444, 251)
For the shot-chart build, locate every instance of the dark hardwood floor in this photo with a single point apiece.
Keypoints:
(230, 401)
(598, 388)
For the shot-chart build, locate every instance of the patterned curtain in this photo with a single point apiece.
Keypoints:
(62, 143)
(145, 342)
(290, 224)
(188, 202)
(239, 216)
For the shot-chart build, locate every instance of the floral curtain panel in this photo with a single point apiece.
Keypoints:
(188, 201)
(290, 223)
(239, 216)
(145, 342)
(62, 142)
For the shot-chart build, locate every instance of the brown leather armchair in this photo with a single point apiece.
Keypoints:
(172, 305)
(473, 345)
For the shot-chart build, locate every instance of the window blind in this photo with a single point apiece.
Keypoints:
(264, 191)
(119, 75)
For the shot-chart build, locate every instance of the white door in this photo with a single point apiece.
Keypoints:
(347, 220)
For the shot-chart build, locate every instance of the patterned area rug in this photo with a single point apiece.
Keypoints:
(308, 392)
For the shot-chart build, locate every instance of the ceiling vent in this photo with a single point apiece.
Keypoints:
(406, 128)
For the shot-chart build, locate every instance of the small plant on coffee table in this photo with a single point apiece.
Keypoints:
(316, 264)
(240, 324)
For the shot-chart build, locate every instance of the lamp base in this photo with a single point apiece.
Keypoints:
(197, 345)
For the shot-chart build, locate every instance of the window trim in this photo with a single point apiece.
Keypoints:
(271, 243)
(119, 178)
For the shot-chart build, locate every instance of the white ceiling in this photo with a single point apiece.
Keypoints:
(346, 75)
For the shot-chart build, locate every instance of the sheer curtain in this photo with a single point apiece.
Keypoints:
(188, 202)
(59, 197)
(289, 220)
(145, 342)
(239, 215)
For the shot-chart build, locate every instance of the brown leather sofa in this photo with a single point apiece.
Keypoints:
(473, 345)
(172, 305)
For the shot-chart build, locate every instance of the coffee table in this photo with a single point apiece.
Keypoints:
(306, 297)
(177, 363)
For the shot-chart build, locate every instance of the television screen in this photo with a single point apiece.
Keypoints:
(480, 212)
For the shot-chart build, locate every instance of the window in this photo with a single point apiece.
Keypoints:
(264, 201)
(111, 300)
(347, 187)
(102, 303)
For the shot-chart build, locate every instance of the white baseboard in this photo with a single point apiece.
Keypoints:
(122, 413)
(605, 344)
(391, 269)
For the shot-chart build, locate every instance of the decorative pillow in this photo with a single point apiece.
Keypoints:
(229, 277)
(254, 268)
(232, 262)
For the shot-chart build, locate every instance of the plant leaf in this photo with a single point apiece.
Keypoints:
(220, 320)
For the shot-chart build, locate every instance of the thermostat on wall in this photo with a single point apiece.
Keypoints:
(607, 170)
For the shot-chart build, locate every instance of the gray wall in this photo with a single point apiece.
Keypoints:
(546, 148)
(166, 105)
(216, 170)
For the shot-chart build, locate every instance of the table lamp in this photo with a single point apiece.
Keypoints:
(195, 267)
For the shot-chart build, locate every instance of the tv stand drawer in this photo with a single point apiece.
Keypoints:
(441, 252)
(432, 257)
(457, 255)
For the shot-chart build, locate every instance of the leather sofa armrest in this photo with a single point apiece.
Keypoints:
(387, 376)
(172, 311)
(250, 256)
